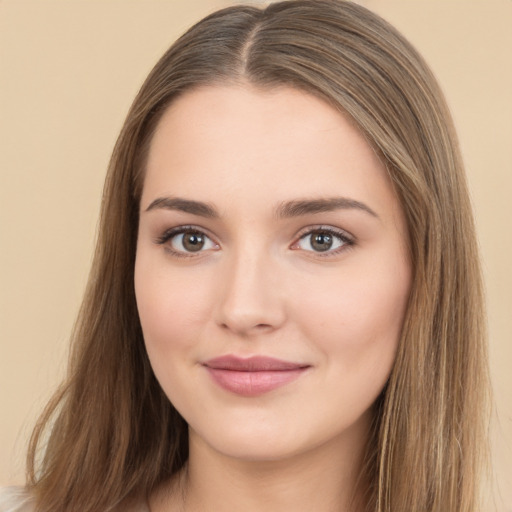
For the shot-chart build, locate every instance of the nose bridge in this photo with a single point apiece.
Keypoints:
(251, 299)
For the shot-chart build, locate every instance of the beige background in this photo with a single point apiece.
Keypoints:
(68, 72)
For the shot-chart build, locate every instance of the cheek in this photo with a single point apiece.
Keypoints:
(171, 309)
(357, 319)
(172, 314)
(356, 326)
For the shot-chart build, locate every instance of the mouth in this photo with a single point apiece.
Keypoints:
(253, 376)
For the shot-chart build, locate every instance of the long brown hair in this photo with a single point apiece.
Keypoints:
(113, 434)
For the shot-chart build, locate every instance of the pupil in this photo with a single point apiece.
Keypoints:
(193, 242)
(321, 242)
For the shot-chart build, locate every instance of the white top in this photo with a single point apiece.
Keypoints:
(15, 499)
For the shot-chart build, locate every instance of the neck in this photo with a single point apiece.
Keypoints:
(324, 479)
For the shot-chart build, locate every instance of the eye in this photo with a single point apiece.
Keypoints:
(323, 240)
(186, 240)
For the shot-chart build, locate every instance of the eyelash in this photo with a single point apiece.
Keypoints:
(346, 239)
(171, 233)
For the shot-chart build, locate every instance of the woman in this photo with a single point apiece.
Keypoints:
(285, 308)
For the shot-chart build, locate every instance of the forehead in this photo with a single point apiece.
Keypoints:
(239, 141)
(272, 116)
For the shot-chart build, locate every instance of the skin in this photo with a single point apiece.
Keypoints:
(260, 286)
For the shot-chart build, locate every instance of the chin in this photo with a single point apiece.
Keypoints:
(263, 440)
(260, 449)
(255, 440)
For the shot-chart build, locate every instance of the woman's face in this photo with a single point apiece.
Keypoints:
(272, 273)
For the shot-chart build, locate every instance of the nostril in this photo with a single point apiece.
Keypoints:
(247, 329)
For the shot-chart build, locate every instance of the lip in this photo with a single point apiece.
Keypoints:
(253, 376)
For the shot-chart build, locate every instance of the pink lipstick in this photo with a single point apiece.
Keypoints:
(252, 376)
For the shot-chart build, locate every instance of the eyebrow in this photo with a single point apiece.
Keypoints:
(310, 206)
(184, 205)
(287, 209)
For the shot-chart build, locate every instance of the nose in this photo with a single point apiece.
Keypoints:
(252, 296)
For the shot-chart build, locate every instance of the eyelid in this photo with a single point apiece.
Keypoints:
(347, 239)
(168, 234)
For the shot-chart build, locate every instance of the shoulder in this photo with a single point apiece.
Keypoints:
(15, 499)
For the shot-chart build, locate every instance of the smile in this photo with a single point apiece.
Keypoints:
(252, 376)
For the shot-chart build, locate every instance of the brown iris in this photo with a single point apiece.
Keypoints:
(193, 241)
(321, 241)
